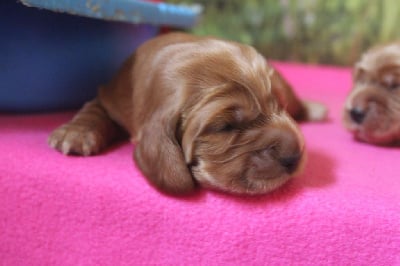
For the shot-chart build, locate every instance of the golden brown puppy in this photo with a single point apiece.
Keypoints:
(201, 111)
(372, 109)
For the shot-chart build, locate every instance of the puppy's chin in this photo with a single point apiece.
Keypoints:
(377, 130)
(380, 138)
(249, 181)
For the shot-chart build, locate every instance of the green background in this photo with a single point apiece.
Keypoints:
(312, 31)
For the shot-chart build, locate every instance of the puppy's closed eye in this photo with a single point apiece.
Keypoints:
(235, 120)
(224, 127)
(228, 120)
(390, 81)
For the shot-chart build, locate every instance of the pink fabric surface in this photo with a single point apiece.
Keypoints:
(58, 210)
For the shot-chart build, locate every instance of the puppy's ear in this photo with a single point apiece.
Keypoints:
(358, 72)
(300, 110)
(160, 157)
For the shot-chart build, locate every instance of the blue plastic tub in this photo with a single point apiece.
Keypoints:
(54, 61)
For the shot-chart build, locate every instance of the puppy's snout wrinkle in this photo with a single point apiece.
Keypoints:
(266, 160)
(284, 152)
(263, 161)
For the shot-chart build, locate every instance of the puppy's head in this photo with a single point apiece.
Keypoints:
(232, 144)
(372, 109)
(225, 129)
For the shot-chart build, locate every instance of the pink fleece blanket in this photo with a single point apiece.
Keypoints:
(59, 210)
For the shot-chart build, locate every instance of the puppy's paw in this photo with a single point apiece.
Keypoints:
(76, 139)
(315, 111)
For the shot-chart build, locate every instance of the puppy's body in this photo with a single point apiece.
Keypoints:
(200, 110)
(372, 109)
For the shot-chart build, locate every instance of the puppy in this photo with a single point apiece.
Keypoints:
(372, 109)
(200, 111)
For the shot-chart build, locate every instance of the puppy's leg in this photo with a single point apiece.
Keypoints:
(298, 109)
(90, 131)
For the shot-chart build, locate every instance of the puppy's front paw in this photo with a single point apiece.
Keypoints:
(315, 111)
(76, 139)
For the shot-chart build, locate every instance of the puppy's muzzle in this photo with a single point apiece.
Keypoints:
(285, 152)
(364, 105)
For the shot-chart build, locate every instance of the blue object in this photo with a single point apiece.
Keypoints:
(52, 61)
(126, 10)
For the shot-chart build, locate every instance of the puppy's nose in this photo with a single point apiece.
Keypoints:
(290, 163)
(357, 115)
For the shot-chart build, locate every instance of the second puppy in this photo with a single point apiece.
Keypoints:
(201, 111)
(372, 109)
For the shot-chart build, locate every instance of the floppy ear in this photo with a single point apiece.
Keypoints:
(192, 131)
(299, 109)
(160, 158)
(196, 120)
